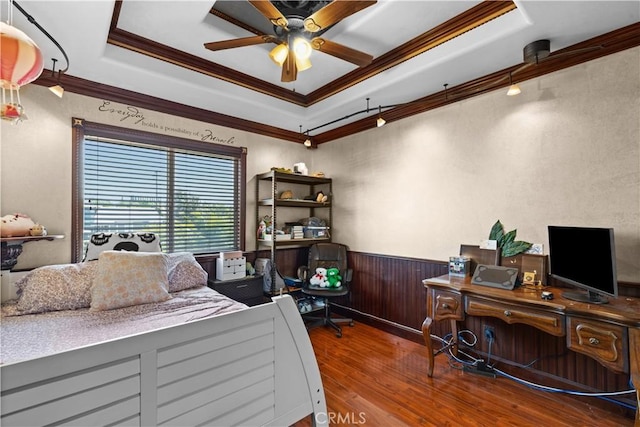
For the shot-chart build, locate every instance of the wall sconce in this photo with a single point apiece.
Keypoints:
(380, 122)
(514, 89)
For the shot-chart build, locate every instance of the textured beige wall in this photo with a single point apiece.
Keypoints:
(565, 152)
(35, 160)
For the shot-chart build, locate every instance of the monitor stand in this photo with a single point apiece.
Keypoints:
(590, 297)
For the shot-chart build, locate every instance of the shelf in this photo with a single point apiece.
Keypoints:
(293, 178)
(293, 242)
(12, 248)
(295, 203)
(21, 239)
(308, 208)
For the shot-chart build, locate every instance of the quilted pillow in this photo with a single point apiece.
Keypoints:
(135, 242)
(56, 287)
(129, 278)
(185, 272)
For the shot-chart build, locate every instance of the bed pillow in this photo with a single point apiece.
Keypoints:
(134, 242)
(129, 278)
(185, 272)
(56, 287)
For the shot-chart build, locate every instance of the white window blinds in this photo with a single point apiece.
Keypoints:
(190, 199)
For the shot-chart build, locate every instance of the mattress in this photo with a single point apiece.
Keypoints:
(24, 337)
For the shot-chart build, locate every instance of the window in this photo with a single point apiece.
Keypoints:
(192, 194)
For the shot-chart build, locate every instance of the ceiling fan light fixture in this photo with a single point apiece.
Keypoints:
(302, 47)
(302, 64)
(279, 54)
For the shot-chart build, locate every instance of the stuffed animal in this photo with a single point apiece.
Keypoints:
(16, 225)
(38, 230)
(334, 279)
(320, 278)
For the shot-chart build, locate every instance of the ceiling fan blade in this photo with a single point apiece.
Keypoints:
(270, 12)
(245, 41)
(341, 51)
(334, 12)
(289, 69)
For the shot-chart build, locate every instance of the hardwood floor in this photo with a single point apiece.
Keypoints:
(373, 378)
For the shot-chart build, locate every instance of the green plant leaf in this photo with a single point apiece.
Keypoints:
(508, 238)
(497, 231)
(515, 248)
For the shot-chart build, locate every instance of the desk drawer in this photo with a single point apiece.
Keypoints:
(605, 342)
(548, 322)
(447, 305)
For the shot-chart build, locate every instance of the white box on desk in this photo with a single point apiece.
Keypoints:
(459, 266)
(231, 268)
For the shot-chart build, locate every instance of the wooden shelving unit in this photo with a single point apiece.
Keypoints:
(271, 203)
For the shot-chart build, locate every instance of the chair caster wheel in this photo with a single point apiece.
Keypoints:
(339, 334)
(351, 324)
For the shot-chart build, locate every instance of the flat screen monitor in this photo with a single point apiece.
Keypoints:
(584, 257)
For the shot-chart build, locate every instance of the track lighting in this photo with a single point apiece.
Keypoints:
(307, 142)
(57, 89)
(514, 89)
(380, 122)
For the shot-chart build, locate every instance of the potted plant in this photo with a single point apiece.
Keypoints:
(507, 242)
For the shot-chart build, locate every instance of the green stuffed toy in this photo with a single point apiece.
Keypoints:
(334, 278)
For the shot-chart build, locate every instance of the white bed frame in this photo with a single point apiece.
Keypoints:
(251, 367)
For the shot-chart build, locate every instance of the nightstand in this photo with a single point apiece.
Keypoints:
(247, 290)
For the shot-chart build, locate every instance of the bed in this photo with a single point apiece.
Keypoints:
(194, 358)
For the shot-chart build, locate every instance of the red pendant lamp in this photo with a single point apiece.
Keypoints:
(20, 63)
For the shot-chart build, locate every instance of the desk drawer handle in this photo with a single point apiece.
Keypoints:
(241, 286)
(445, 306)
(594, 341)
(507, 313)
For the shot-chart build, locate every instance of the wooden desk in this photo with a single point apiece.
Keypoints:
(608, 333)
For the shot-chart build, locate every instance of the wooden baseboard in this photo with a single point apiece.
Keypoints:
(382, 324)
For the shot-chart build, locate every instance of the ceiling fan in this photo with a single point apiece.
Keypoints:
(298, 26)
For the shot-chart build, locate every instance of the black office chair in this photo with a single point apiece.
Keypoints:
(327, 255)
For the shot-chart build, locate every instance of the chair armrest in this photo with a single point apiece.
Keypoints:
(348, 275)
(303, 273)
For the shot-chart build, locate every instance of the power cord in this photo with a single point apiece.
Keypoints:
(571, 392)
(449, 343)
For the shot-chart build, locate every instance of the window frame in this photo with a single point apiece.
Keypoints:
(81, 128)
